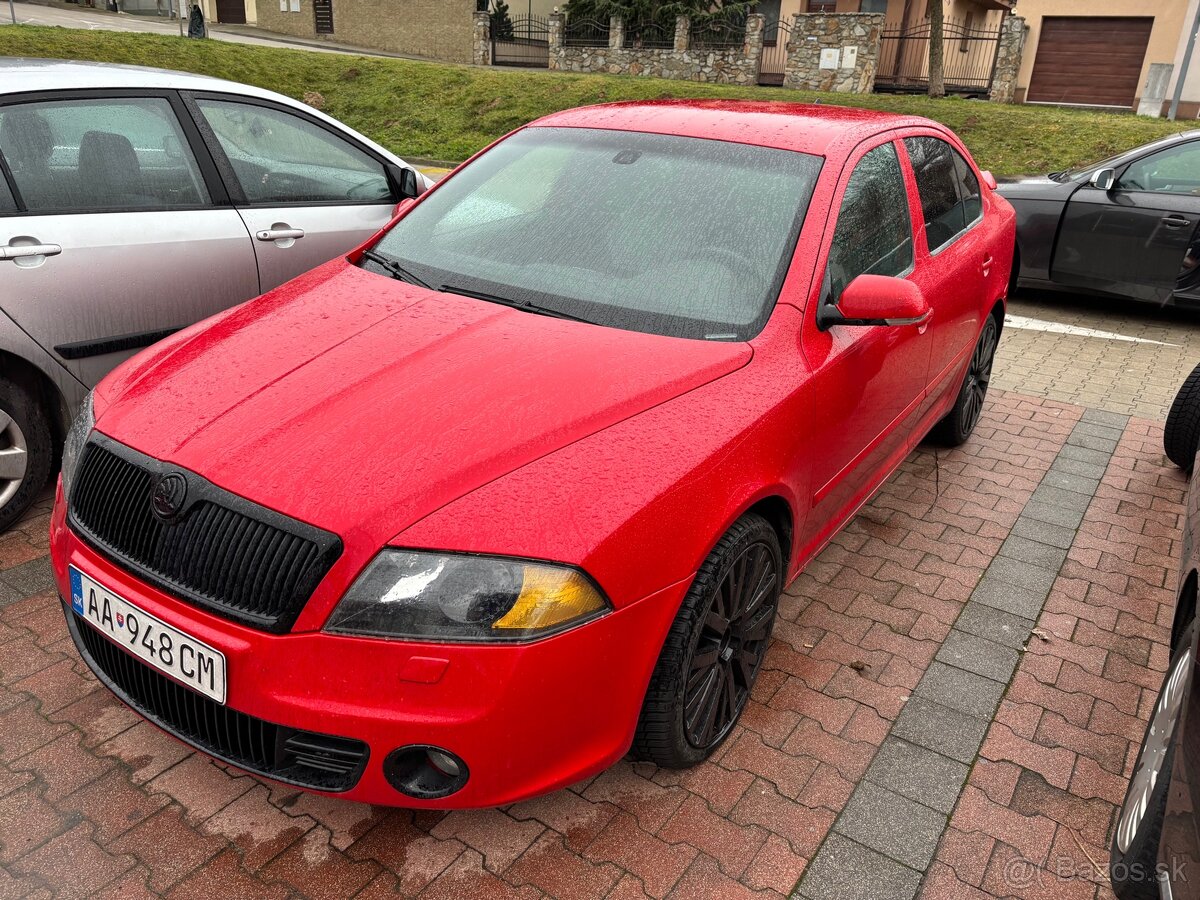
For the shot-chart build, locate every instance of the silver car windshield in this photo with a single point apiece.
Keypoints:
(654, 233)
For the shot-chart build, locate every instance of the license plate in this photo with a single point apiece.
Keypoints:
(152, 640)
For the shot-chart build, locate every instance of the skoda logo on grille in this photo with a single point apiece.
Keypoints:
(169, 495)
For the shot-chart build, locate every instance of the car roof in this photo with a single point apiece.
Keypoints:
(804, 127)
(18, 75)
(21, 75)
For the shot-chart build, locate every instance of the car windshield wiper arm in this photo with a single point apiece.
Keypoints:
(515, 304)
(394, 268)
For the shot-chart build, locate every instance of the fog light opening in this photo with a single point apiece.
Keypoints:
(424, 772)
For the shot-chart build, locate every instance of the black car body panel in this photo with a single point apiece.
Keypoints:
(1141, 242)
(1179, 846)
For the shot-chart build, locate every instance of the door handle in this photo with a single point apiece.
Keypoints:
(987, 266)
(21, 251)
(1176, 221)
(280, 234)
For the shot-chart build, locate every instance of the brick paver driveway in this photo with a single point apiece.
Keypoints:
(909, 735)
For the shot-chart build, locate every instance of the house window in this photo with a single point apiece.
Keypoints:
(873, 6)
(968, 26)
(822, 6)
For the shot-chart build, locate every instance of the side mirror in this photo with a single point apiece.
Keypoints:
(403, 181)
(402, 207)
(876, 300)
(989, 179)
(1104, 179)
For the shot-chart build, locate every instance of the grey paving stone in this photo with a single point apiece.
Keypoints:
(1044, 532)
(1048, 493)
(1091, 442)
(1095, 429)
(845, 870)
(1022, 574)
(994, 624)
(1104, 417)
(936, 727)
(1069, 482)
(896, 826)
(33, 577)
(1045, 511)
(918, 774)
(999, 594)
(1033, 552)
(959, 689)
(1083, 454)
(9, 594)
(1083, 469)
(978, 655)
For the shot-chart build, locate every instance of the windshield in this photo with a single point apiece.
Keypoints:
(1078, 173)
(654, 233)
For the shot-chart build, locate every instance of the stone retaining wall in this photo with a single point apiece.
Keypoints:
(1008, 60)
(813, 33)
(726, 65)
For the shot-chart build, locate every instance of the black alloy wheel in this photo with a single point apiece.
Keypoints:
(715, 648)
(958, 424)
(733, 641)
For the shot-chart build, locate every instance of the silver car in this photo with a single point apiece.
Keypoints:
(134, 202)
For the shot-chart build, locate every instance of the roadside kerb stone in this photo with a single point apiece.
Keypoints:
(882, 842)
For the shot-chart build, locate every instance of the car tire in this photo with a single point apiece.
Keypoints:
(1134, 853)
(26, 450)
(957, 425)
(1181, 435)
(688, 712)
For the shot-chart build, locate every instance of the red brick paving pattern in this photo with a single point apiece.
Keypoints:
(1038, 810)
(94, 801)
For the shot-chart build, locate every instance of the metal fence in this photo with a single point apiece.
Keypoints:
(521, 41)
(586, 33)
(649, 35)
(774, 55)
(717, 32)
(968, 58)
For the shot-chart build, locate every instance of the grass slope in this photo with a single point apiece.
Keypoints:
(448, 112)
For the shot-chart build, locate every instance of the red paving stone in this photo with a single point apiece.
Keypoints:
(85, 785)
(1089, 688)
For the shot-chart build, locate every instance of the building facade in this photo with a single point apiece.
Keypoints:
(434, 29)
(1098, 53)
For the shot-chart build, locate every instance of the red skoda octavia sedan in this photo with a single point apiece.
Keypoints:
(515, 487)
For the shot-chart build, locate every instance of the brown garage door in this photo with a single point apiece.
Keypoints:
(231, 12)
(1093, 61)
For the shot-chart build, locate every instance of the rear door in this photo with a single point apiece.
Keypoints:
(306, 192)
(119, 236)
(1139, 239)
(955, 262)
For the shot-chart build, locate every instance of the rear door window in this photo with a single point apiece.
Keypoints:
(7, 203)
(98, 155)
(948, 188)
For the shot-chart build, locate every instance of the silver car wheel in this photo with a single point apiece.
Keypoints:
(14, 457)
(1154, 751)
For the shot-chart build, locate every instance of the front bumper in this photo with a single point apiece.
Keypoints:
(526, 719)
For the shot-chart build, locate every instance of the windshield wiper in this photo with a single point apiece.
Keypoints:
(394, 269)
(515, 304)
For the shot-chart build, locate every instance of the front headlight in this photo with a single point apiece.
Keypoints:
(81, 428)
(449, 597)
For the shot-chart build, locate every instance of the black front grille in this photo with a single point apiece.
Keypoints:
(220, 551)
(304, 758)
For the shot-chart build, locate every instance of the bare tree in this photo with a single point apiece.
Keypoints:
(937, 81)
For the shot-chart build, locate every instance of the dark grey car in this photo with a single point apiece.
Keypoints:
(1125, 226)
